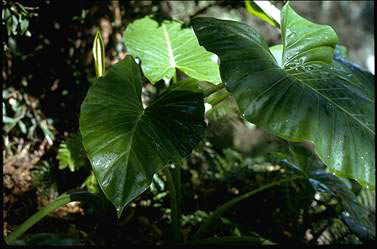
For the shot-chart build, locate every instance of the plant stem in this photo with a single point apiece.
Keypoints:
(177, 183)
(219, 99)
(174, 79)
(213, 89)
(175, 216)
(203, 229)
(59, 202)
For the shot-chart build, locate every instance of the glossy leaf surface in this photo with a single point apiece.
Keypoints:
(309, 98)
(128, 144)
(167, 46)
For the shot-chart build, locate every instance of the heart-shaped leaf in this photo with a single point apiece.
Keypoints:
(163, 47)
(126, 143)
(309, 97)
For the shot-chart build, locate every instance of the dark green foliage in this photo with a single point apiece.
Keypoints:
(130, 143)
(305, 97)
(355, 214)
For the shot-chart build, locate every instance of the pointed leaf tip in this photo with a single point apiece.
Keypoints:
(127, 144)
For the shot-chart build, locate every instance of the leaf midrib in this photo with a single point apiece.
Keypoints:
(170, 50)
(336, 105)
(129, 147)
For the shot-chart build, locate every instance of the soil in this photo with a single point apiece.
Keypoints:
(18, 187)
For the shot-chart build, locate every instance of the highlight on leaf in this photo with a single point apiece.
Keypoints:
(127, 143)
(297, 91)
(254, 8)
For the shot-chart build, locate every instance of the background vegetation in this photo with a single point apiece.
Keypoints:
(47, 70)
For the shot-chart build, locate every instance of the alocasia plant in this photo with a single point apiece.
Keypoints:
(307, 96)
(298, 90)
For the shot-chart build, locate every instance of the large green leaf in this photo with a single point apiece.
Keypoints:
(127, 143)
(309, 98)
(166, 46)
